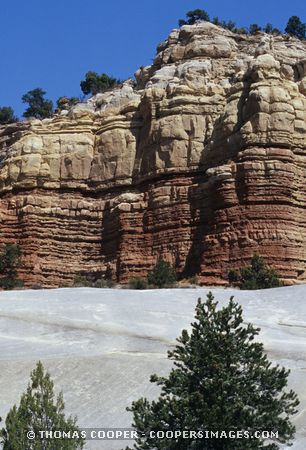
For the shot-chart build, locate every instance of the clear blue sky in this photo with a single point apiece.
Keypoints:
(52, 43)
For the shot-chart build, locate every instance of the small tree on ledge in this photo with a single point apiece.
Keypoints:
(222, 381)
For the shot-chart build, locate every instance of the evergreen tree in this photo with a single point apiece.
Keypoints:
(39, 107)
(254, 28)
(194, 16)
(94, 83)
(39, 411)
(162, 274)
(10, 260)
(7, 115)
(221, 381)
(295, 27)
(257, 276)
(268, 28)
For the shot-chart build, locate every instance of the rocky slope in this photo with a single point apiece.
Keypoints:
(202, 161)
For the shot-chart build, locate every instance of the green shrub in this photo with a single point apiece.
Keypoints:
(254, 28)
(7, 115)
(90, 281)
(138, 283)
(94, 83)
(162, 275)
(10, 261)
(194, 16)
(257, 276)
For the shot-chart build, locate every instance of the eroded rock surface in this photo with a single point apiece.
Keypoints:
(202, 161)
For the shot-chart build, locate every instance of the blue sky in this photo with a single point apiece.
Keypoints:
(52, 44)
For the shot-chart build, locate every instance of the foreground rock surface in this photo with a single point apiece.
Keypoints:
(202, 161)
(102, 345)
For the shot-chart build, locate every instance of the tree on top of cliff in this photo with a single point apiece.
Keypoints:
(7, 115)
(39, 411)
(221, 381)
(194, 16)
(94, 83)
(254, 28)
(295, 27)
(39, 107)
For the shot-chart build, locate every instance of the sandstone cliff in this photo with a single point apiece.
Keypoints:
(202, 161)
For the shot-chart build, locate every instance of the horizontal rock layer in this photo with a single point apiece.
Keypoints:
(201, 161)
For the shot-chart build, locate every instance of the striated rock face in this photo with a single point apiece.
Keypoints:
(201, 161)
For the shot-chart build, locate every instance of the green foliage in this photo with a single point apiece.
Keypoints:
(39, 107)
(295, 27)
(91, 281)
(268, 28)
(10, 261)
(39, 411)
(254, 28)
(221, 380)
(216, 21)
(65, 103)
(194, 16)
(257, 276)
(230, 25)
(138, 283)
(7, 115)
(162, 275)
(94, 83)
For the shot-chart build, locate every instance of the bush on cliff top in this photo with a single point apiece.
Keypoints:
(222, 380)
(193, 16)
(7, 115)
(295, 27)
(94, 83)
(257, 276)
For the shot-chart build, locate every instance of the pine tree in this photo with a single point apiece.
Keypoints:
(39, 411)
(221, 381)
(257, 276)
(295, 27)
(39, 107)
(162, 275)
(193, 16)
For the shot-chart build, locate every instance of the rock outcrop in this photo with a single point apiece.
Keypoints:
(202, 160)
